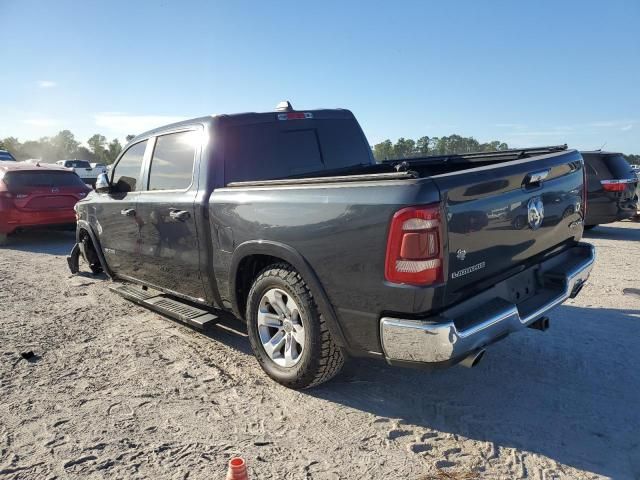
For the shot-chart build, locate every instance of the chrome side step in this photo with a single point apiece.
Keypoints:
(161, 303)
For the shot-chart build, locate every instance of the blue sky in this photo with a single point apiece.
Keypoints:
(529, 73)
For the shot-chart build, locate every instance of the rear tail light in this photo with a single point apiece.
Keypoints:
(614, 185)
(414, 251)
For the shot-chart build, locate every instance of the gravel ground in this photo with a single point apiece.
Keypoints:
(116, 391)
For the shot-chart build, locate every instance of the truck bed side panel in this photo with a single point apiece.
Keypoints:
(340, 230)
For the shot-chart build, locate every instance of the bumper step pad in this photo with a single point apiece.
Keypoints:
(169, 306)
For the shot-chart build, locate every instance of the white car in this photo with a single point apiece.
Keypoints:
(99, 168)
(82, 168)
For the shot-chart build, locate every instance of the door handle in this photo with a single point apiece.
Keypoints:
(128, 212)
(181, 215)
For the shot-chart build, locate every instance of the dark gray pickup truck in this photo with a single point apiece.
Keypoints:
(286, 220)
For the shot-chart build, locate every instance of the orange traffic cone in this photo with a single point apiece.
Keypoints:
(237, 469)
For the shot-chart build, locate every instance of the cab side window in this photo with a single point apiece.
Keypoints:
(172, 161)
(126, 174)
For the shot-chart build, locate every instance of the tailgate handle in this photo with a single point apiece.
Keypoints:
(536, 177)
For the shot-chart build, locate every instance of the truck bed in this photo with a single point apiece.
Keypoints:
(417, 167)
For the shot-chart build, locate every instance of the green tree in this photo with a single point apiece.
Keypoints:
(633, 159)
(383, 150)
(97, 146)
(423, 145)
(404, 148)
(113, 150)
(83, 153)
(13, 145)
(64, 145)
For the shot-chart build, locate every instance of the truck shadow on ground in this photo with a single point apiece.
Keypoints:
(610, 232)
(50, 242)
(569, 394)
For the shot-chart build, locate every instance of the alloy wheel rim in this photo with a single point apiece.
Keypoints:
(281, 328)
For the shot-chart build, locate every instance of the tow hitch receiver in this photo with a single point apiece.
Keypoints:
(73, 260)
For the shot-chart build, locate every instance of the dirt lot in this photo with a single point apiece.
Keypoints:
(116, 391)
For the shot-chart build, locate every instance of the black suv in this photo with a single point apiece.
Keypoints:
(611, 188)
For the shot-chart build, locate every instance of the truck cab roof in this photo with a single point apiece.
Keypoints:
(248, 118)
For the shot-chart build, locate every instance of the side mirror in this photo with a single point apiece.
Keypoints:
(102, 183)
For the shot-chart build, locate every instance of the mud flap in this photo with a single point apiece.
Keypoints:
(73, 260)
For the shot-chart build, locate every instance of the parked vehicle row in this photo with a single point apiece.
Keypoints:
(285, 219)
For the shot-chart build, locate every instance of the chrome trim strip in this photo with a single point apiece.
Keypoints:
(441, 341)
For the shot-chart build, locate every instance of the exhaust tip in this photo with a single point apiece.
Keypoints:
(473, 359)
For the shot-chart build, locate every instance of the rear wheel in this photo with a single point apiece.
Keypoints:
(288, 335)
(4, 239)
(589, 227)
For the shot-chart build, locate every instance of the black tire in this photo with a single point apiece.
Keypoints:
(590, 227)
(321, 359)
(89, 254)
(4, 239)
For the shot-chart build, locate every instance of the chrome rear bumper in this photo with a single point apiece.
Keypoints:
(487, 317)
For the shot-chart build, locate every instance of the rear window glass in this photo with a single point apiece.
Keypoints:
(618, 166)
(4, 156)
(266, 151)
(77, 164)
(21, 180)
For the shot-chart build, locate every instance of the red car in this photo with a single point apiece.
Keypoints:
(33, 195)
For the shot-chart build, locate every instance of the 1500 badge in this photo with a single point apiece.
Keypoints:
(466, 271)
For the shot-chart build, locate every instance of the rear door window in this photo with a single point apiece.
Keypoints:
(172, 161)
(126, 174)
(6, 156)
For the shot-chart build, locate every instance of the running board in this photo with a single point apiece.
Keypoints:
(161, 303)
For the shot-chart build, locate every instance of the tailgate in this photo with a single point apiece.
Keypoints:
(500, 216)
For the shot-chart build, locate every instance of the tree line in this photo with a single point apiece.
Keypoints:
(447, 145)
(423, 146)
(64, 146)
(633, 159)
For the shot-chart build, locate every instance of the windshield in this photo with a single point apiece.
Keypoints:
(21, 180)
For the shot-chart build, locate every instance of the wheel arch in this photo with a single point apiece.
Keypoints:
(84, 226)
(261, 253)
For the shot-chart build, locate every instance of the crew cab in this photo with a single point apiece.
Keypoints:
(37, 195)
(285, 219)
